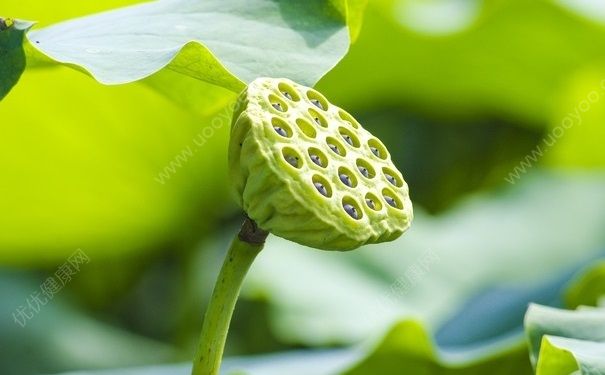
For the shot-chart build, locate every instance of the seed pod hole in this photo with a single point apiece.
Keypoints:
(365, 168)
(306, 128)
(335, 146)
(288, 91)
(392, 177)
(392, 199)
(317, 99)
(281, 127)
(373, 202)
(346, 117)
(318, 157)
(351, 208)
(277, 103)
(349, 136)
(292, 157)
(318, 118)
(377, 148)
(347, 177)
(322, 186)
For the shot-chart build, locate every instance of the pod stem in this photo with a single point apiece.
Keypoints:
(244, 249)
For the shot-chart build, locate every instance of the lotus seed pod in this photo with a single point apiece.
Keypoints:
(305, 170)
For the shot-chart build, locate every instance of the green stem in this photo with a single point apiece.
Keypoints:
(244, 249)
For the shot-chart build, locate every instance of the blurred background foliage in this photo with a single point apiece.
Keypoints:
(460, 91)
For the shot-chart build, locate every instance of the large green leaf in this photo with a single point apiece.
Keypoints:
(12, 56)
(224, 44)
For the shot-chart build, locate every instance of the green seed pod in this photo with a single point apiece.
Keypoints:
(305, 170)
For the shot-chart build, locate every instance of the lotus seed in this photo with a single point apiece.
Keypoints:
(277, 106)
(375, 151)
(321, 188)
(364, 171)
(281, 131)
(351, 210)
(316, 159)
(347, 138)
(345, 179)
(317, 120)
(391, 179)
(292, 160)
(334, 148)
(390, 201)
(287, 95)
(371, 204)
(317, 103)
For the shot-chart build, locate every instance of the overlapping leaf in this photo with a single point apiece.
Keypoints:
(564, 356)
(565, 342)
(568, 341)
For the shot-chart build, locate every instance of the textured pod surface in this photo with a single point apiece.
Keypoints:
(305, 170)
